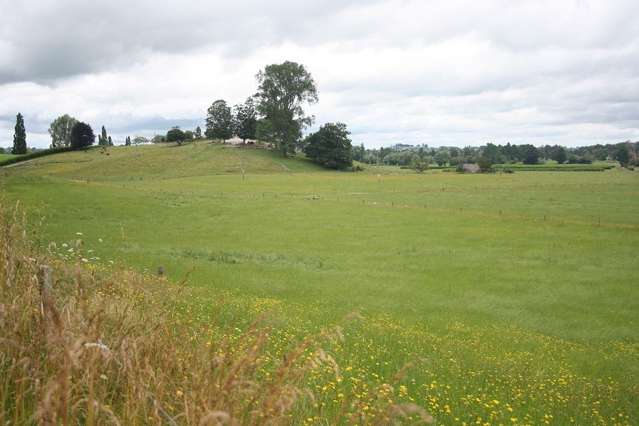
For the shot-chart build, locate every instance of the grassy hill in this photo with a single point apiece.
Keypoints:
(513, 295)
(164, 161)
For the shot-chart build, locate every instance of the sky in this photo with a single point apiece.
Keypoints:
(442, 73)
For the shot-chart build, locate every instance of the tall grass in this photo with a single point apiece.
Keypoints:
(81, 344)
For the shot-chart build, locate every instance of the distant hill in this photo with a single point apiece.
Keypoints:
(164, 161)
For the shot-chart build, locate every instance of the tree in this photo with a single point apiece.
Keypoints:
(245, 120)
(82, 136)
(175, 135)
(139, 140)
(442, 157)
(103, 138)
(127, 141)
(283, 89)
(559, 154)
(19, 137)
(219, 121)
(330, 146)
(198, 133)
(109, 141)
(420, 163)
(485, 163)
(60, 131)
(531, 154)
(622, 155)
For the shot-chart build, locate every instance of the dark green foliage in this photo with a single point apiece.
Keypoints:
(559, 154)
(246, 120)
(175, 135)
(330, 146)
(420, 164)
(188, 135)
(442, 157)
(127, 141)
(19, 137)
(623, 155)
(198, 133)
(531, 154)
(219, 121)
(82, 136)
(60, 131)
(103, 138)
(485, 164)
(283, 89)
(489, 154)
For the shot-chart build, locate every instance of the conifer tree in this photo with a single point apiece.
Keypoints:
(19, 137)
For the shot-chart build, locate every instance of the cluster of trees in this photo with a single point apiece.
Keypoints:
(104, 139)
(485, 156)
(224, 122)
(275, 114)
(174, 134)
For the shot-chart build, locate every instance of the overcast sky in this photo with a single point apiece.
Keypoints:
(454, 72)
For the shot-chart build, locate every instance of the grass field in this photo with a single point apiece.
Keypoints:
(554, 167)
(6, 156)
(514, 295)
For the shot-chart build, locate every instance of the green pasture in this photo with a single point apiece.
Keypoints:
(515, 296)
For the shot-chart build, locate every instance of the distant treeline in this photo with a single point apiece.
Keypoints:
(626, 153)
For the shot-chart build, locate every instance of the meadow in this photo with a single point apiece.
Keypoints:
(6, 156)
(511, 297)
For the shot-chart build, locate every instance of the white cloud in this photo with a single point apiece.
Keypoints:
(454, 73)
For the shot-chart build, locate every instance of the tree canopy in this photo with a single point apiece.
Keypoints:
(330, 146)
(82, 135)
(175, 135)
(219, 121)
(60, 131)
(246, 120)
(283, 90)
(19, 137)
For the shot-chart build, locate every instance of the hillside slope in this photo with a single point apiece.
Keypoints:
(163, 161)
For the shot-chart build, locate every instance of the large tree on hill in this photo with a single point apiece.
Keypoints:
(60, 131)
(330, 146)
(219, 121)
(19, 137)
(82, 136)
(175, 135)
(245, 120)
(283, 90)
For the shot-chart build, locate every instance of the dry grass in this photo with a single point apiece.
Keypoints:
(94, 346)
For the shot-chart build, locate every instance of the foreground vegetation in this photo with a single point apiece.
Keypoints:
(511, 297)
(94, 345)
